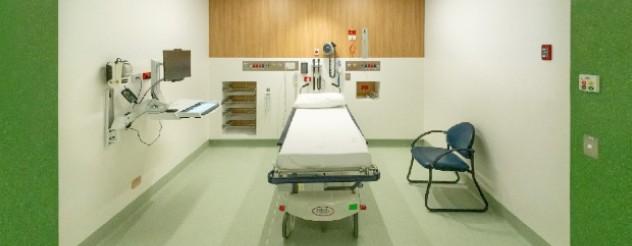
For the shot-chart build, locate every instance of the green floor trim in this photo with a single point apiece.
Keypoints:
(138, 203)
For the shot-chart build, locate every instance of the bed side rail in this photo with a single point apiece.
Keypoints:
(356, 123)
(286, 128)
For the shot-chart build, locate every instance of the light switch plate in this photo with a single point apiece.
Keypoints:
(591, 146)
(589, 83)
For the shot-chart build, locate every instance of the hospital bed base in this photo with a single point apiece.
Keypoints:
(321, 194)
(321, 206)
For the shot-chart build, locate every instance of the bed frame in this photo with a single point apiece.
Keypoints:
(350, 180)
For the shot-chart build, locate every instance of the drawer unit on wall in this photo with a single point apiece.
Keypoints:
(250, 110)
(239, 108)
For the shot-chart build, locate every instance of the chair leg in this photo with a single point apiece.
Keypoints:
(480, 192)
(412, 181)
(477, 210)
(428, 190)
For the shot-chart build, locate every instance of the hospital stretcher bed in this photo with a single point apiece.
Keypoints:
(322, 162)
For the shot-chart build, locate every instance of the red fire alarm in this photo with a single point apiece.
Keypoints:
(547, 52)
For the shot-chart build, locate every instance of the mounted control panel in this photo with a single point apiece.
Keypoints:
(270, 66)
(363, 66)
(589, 83)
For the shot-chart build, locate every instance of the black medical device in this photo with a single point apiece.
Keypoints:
(314, 74)
(320, 77)
(129, 95)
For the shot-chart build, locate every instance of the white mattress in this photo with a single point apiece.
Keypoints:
(323, 139)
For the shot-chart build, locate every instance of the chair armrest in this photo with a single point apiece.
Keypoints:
(412, 145)
(432, 164)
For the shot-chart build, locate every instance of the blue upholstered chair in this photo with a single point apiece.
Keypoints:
(459, 139)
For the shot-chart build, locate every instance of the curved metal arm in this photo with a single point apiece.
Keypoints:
(432, 164)
(412, 145)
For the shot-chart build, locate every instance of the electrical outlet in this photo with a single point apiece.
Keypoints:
(136, 182)
(111, 137)
(591, 146)
(348, 76)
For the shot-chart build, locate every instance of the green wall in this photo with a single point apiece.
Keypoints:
(601, 206)
(28, 122)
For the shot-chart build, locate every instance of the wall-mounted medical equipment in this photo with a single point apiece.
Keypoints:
(118, 72)
(366, 66)
(317, 76)
(329, 49)
(176, 66)
(268, 66)
(338, 83)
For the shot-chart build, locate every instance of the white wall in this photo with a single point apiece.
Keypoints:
(94, 180)
(396, 114)
(483, 66)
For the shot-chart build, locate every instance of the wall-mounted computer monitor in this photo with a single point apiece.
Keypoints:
(177, 64)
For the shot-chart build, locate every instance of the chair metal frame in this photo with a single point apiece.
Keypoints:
(458, 177)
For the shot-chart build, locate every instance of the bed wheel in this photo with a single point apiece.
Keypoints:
(288, 225)
(356, 226)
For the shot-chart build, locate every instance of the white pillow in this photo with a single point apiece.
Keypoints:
(320, 100)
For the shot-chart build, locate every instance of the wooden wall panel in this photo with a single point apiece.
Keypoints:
(293, 28)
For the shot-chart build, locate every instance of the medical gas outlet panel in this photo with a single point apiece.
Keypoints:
(267, 66)
(366, 66)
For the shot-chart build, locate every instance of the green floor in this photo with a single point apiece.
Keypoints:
(223, 198)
